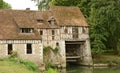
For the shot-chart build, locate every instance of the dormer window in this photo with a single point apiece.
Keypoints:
(40, 20)
(26, 30)
(52, 21)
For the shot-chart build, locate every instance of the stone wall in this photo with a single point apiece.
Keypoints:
(66, 34)
(20, 47)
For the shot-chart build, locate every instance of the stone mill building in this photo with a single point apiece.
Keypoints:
(28, 31)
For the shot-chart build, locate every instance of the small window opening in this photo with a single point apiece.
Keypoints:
(39, 20)
(66, 30)
(26, 30)
(53, 37)
(83, 30)
(29, 48)
(53, 32)
(75, 32)
(41, 32)
(52, 21)
(57, 44)
(9, 48)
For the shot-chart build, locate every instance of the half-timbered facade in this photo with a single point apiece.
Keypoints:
(27, 31)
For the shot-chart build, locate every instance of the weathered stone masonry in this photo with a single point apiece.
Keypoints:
(27, 32)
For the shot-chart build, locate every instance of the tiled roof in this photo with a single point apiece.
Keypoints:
(68, 16)
(12, 20)
(10, 23)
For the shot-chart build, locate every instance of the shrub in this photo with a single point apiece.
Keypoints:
(47, 49)
(13, 54)
(51, 70)
(55, 50)
(30, 65)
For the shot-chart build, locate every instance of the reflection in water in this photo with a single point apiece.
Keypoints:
(78, 69)
(62, 70)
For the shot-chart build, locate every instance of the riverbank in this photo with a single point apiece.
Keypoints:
(106, 60)
(15, 65)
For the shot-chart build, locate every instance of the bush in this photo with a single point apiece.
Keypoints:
(55, 50)
(30, 65)
(51, 70)
(47, 49)
(13, 54)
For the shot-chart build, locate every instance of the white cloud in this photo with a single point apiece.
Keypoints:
(22, 4)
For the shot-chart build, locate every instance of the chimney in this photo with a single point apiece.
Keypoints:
(27, 8)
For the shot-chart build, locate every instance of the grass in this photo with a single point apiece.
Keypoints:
(109, 59)
(51, 70)
(15, 65)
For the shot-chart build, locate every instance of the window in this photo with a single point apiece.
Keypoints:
(53, 37)
(52, 21)
(26, 30)
(9, 48)
(66, 30)
(29, 49)
(41, 32)
(57, 44)
(53, 32)
(83, 30)
(75, 32)
(39, 20)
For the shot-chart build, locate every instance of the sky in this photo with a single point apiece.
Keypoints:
(22, 4)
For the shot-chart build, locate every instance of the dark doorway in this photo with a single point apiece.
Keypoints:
(73, 51)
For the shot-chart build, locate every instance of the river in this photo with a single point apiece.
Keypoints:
(79, 69)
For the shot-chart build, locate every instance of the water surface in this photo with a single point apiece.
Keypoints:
(79, 69)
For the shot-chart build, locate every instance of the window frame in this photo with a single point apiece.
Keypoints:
(26, 30)
(29, 49)
(10, 48)
(53, 32)
(41, 32)
(40, 20)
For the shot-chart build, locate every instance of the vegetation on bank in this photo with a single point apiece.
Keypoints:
(107, 57)
(49, 67)
(16, 65)
(13, 64)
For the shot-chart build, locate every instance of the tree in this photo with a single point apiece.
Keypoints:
(105, 24)
(4, 5)
(42, 4)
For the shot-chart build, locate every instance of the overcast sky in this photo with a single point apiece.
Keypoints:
(22, 4)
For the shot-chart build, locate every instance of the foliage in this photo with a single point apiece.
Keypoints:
(51, 70)
(55, 50)
(42, 4)
(104, 24)
(46, 50)
(13, 54)
(65, 2)
(107, 59)
(4, 5)
(30, 65)
(16, 65)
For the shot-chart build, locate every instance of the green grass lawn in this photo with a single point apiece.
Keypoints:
(9, 66)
